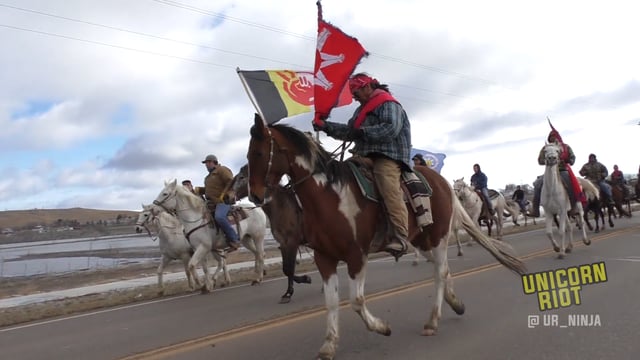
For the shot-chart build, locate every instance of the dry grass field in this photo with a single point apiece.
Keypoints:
(17, 219)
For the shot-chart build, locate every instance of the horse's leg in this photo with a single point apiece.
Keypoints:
(256, 246)
(328, 268)
(562, 229)
(610, 213)
(549, 230)
(197, 259)
(449, 295)
(588, 223)
(455, 232)
(416, 256)
(569, 230)
(585, 239)
(443, 287)
(358, 302)
(163, 262)
(192, 278)
(288, 268)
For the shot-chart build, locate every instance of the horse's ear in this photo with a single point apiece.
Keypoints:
(258, 121)
(174, 183)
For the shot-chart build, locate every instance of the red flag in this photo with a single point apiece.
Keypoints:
(337, 55)
(577, 189)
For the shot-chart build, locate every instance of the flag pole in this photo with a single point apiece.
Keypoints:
(251, 97)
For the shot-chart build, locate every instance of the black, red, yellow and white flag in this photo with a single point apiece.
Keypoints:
(277, 94)
(337, 55)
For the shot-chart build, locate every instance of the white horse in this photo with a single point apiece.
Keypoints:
(555, 202)
(527, 208)
(174, 246)
(202, 233)
(472, 203)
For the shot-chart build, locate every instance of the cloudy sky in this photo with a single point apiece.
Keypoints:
(101, 101)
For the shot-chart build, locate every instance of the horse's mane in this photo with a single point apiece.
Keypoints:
(320, 160)
(193, 200)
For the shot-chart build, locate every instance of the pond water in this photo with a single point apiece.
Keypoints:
(70, 255)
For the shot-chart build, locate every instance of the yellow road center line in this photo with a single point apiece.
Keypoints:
(193, 344)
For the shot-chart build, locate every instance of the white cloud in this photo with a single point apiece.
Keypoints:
(477, 79)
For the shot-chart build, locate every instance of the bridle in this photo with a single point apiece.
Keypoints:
(143, 224)
(173, 194)
(291, 185)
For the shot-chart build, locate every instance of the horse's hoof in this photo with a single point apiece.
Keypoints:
(285, 300)
(567, 250)
(428, 331)
(204, 290)
(556, 248)
(459, 253)
(587, 242)
(458, 308)
(560, 256)
(255, 282)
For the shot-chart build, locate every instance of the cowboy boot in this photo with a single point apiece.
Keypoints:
(397, 247)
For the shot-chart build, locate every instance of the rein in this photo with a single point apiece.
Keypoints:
(176, 211)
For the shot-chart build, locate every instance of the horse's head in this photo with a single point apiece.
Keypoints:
(458, 186)
(241, 182)
(166, 199)
(277, 150)
(143, 218)
(552, 153)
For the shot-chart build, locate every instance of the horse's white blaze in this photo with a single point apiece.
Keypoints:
(348, 205)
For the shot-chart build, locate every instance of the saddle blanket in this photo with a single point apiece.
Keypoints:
(415, 187)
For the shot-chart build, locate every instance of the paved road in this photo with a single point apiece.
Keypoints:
(247, 323)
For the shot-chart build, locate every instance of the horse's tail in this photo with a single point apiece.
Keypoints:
(590, 190)
(502, 251)
(512, 208)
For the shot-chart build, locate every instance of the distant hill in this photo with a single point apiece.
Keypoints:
(17, 219)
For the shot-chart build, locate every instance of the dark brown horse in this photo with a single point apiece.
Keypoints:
(620, 201)
(285, 217)
(343, 225)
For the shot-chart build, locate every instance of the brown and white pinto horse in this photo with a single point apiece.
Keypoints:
(341, 224)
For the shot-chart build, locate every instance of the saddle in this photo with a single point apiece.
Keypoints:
(485, 207)
(416, 189)
(235, 215)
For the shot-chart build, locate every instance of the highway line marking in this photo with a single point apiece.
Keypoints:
(201, 342)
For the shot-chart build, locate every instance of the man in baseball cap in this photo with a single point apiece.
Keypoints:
(219, 196)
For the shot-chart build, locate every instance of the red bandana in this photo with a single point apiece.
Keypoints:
(378, 97)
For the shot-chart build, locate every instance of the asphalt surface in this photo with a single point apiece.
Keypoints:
(245, 322)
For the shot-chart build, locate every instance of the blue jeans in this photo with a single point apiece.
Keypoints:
(220, 216)
(487, 199)
(606, 188)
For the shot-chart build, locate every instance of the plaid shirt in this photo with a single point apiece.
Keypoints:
(386, 131)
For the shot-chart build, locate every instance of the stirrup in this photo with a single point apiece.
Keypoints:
(397, 248)
(233, 246)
